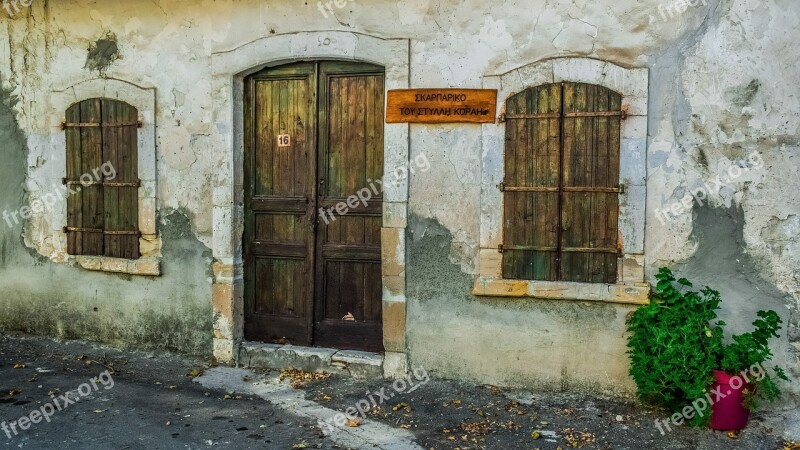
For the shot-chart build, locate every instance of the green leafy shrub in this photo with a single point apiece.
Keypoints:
(751, 349)
(676, 342)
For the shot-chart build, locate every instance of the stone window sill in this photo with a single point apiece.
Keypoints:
(633, 293)
(147, 266)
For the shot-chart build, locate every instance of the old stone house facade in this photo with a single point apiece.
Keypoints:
(232, 124)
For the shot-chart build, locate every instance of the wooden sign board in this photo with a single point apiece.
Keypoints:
(441, 106)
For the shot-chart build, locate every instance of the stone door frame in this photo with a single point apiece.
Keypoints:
(229, 69)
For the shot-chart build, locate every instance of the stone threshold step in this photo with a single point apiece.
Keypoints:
(311, 359)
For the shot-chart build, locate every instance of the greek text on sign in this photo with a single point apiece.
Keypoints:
(441, 105)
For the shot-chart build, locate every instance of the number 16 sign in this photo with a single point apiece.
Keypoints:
(284, 140)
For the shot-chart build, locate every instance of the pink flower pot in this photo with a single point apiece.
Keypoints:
(729, 414)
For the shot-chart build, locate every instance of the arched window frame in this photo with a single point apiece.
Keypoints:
(143, 99)
(632, 84)
(561, 183)
(102, 179)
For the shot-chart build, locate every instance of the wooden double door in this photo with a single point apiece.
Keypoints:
(312, 255)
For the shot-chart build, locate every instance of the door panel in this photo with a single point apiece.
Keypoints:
(279, 193)
(348, 306)
(310, 279)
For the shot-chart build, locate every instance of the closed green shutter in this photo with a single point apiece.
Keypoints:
(102, 178)
(561, 186)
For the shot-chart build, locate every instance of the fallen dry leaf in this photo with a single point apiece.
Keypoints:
(400, 406)
(19, 366)
(352, 423)
(577, 439)
(194, 373)
(349, 316)
(481, 428)
(299, 378)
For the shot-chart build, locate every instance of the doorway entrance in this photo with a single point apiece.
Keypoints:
(313, 138)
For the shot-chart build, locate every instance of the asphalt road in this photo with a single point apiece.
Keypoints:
(152, 403)
(84, 396)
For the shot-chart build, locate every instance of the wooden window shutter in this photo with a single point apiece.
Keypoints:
(561, 188)
(590, 193)
(102, 215)
(530, 238)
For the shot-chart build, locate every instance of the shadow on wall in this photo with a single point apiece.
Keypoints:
(722, 263)
(171, 312)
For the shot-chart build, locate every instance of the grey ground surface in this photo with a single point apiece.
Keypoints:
(154, 404)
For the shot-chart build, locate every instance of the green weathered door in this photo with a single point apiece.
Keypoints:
(314, 136)
(348, 290)
(279, 203)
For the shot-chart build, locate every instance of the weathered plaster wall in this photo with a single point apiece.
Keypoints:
(170, 312)
(558, 345)
(722, 85)
(728, 109)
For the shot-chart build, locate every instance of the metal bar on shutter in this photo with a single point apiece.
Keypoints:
(563, 249)
(505, 188)
(137, 183)
(617, 189)
(65, 125)
(82, 230)
(622, 114)
(99, 230)
(504, 117)
(122, 232)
